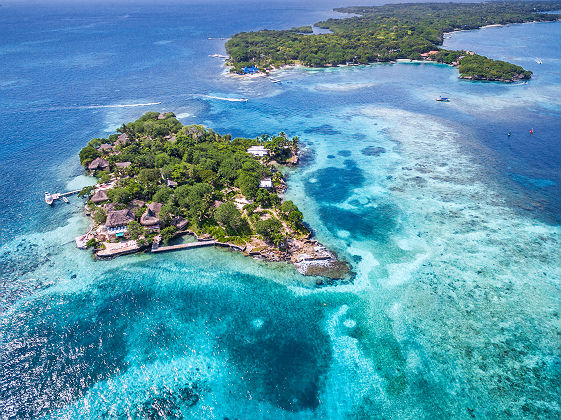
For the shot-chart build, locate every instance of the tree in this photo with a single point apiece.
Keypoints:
(103, 177)
(86, 191)
(162, 195)
(135, 229)
(197, 198)
(271, 230)
(161, 160)
(166, 213)
(263, 198)
(99, 216)
(228, 215)
(291, 213)
(120, 195)
(248, 183)
(92, 243)
(168, 233)
(87, 154)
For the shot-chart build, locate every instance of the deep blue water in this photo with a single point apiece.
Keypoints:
(451, 226)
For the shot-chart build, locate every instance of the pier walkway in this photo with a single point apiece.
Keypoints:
(199, 244)
(183, 246)
(57, 196)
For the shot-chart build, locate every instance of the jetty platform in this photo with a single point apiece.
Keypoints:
(198, 244)
(57, 196)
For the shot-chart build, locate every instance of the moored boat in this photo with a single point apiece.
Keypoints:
(48, 199)
(442, 99)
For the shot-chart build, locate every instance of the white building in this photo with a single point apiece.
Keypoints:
(266, 183)
(259, 151)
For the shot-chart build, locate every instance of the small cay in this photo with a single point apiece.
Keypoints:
(158, 179)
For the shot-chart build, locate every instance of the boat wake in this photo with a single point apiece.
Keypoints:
(117, 105)
(220, 98)
(58, 108)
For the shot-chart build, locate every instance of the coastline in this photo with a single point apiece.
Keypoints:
(476, 67)
(137, 205)
(309, 257)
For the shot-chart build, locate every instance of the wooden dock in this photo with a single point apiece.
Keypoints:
(199, 244)
(57, 196)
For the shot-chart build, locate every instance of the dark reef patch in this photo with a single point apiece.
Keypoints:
(168, 402)
(373, 151)
(333, 185)
(344, 153)
(322, 129)
(375, 223)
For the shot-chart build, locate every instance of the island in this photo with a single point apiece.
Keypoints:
(413, 31)
(158, 179)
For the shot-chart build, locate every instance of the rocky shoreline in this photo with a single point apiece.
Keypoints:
(308, 256)
(224, 192)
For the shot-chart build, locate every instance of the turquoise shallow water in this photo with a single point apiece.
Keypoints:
(451, 227)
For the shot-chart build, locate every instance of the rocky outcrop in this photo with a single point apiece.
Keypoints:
(309, 256)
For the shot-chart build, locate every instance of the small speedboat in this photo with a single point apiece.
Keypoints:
(48, 199)
(442, 99)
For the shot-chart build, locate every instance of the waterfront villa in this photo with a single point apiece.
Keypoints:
(117, 221)
(99, 197)
(258, 151)
(266, 183)
(429, 54)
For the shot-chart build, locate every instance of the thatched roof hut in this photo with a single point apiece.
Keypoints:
(137, 203)
(98, 164)
(119, 218)
(122, 165)
(122, 139)
(179, 222)
(109, 207)
(105, 148)
(99, 196)
(151, 215)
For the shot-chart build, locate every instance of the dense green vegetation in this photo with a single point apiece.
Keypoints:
(303, 29)
(478, 67)
(204, 177)
(384, 33)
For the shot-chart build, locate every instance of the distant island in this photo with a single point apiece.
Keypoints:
(158, 179)
(411, 31)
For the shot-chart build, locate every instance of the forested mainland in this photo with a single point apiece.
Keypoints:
(412, 31)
